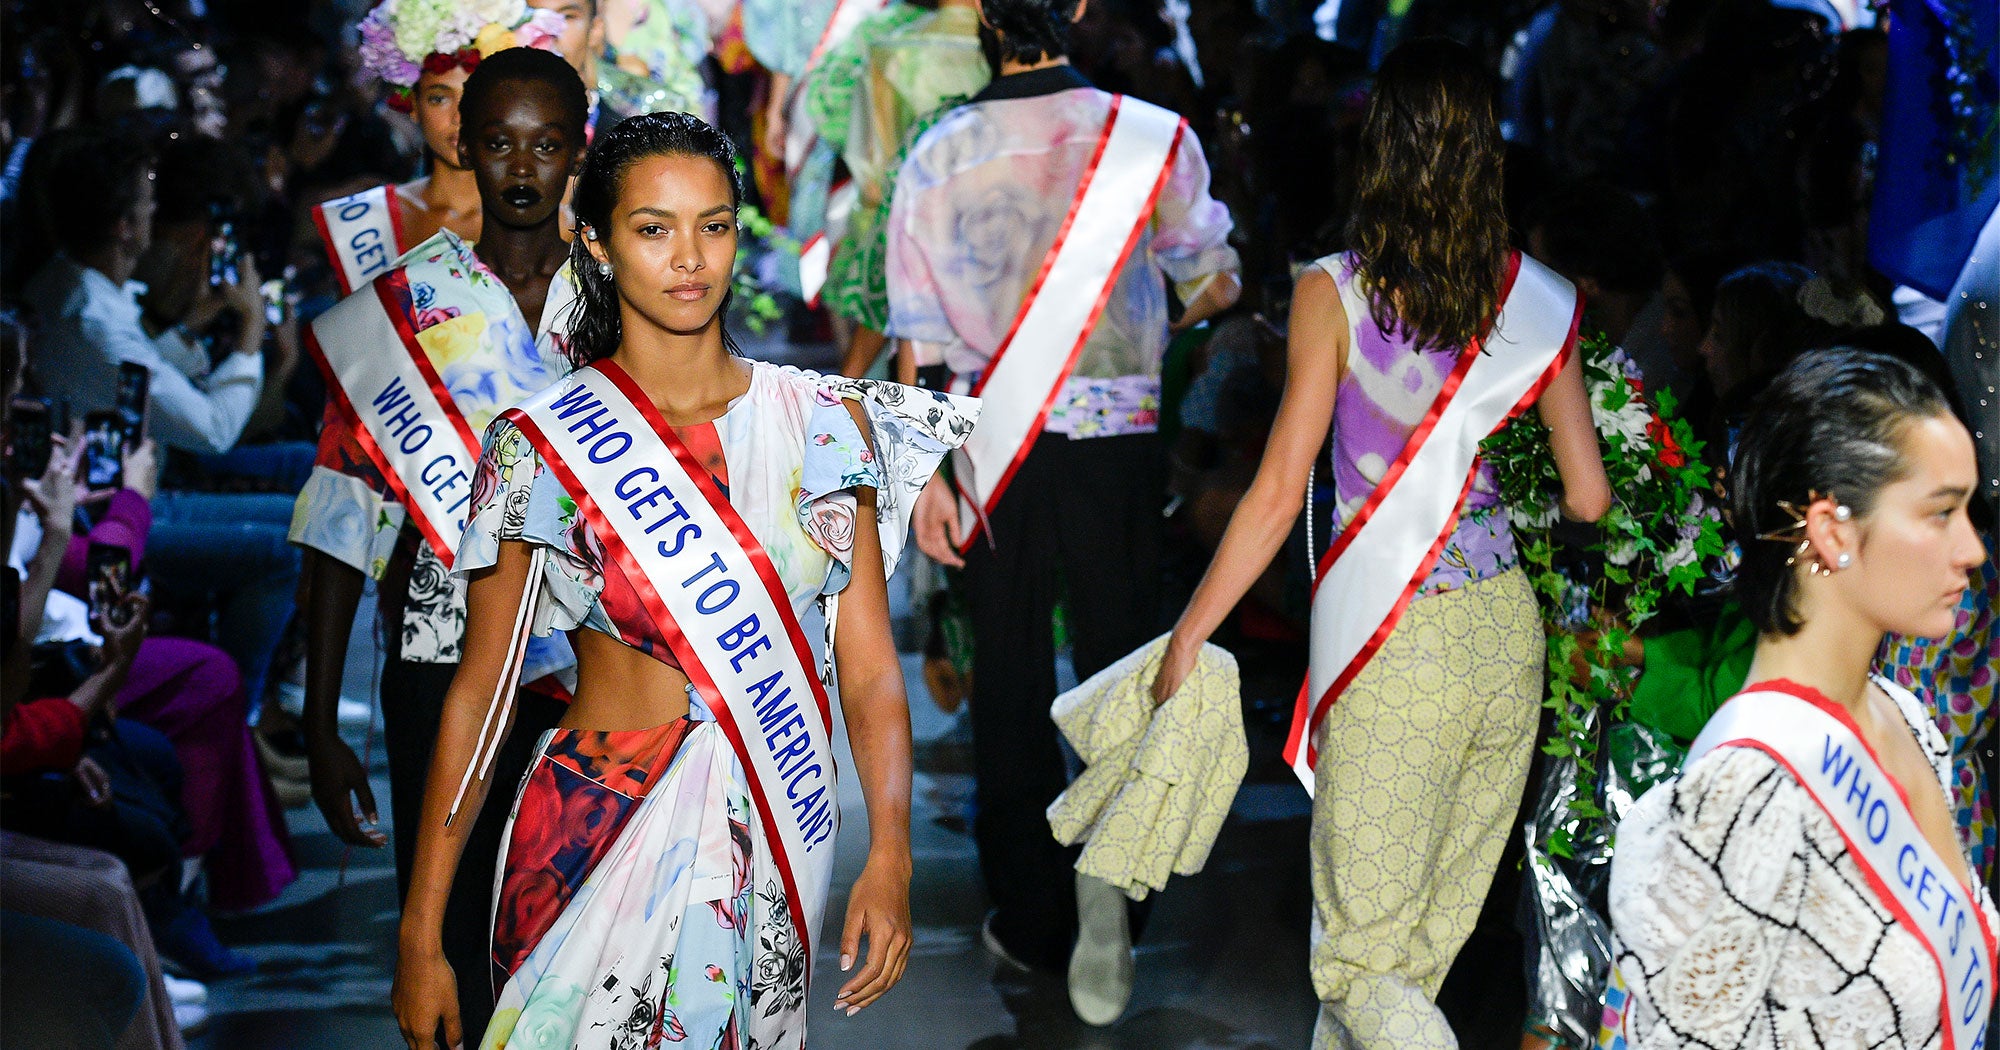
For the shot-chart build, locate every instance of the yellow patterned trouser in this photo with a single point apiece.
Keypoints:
(1421, 763)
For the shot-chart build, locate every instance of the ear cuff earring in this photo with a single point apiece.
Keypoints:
(1796, 532)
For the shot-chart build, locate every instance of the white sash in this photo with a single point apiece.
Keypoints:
(1823, 748)
(403, 417)
(362, 235)
(1113, 202)
(714, 596)
(1396, 536)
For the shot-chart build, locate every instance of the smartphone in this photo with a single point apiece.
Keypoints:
(273, 292)
(28, 444)
(134, 381)
(105, 435)
(109, 571)
(223, 252)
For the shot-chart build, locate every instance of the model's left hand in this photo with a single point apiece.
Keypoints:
(879, 907)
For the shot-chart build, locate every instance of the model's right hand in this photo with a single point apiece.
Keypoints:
(936, 523)
(1175, 665)
(426, 996)
(338, 783)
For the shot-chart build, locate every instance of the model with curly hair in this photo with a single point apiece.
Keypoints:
(1411, 348)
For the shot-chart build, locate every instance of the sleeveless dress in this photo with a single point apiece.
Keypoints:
(640, 900)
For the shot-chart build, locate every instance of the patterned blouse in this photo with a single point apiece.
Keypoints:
(980, 200)
(1388, 388)
(473, 333)
(793, 456)
(1740, 918)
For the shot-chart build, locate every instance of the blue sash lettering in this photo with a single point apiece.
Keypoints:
(772, 713)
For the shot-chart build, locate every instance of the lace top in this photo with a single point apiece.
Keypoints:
(793, 456)
(1740, 919)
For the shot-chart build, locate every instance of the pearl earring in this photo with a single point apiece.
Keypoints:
(1842, 513)
(1843, 561)
(604, 269)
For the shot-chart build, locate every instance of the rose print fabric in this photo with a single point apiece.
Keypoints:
(470, 329)
(574, 802)
(1388, 388)
(641, 903)
(644, 910)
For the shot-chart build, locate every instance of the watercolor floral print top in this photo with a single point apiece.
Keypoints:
(678, 930)
(1388, 387)
(487, 357)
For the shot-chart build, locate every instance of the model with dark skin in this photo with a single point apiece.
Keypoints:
(672, 245)
(519, 146)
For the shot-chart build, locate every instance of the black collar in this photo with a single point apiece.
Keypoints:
(1033, 83)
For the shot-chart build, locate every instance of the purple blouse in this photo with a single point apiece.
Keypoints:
(1388, 387)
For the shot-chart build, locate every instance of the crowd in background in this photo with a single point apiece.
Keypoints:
(1703, 170)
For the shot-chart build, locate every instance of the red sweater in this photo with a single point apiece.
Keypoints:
(42, 735)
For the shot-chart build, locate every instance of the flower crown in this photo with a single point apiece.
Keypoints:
(402, 40)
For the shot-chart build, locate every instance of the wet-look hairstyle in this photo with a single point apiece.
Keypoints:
(1830, 424)
(594, 330)
(1029, 30)
(1428, 227)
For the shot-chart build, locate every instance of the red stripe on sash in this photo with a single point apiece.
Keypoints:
(1302, 726)
(1090, 321)
(1839, 714)
(690, 663)
(332, 253)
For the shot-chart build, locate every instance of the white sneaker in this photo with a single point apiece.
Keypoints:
(191, 1018)
(185, 992)
(1100, 967)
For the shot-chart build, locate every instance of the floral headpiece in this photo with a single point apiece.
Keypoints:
(402, 40)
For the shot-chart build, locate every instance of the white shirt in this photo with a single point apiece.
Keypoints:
(89, 326)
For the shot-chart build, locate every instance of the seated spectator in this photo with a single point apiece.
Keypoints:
(202, 191)
(1756, 327)
(96, 193)
(97, 979)
(222, 809)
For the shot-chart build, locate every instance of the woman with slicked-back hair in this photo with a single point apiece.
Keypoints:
(677, 509)
(1801, 881)
(1418, 719)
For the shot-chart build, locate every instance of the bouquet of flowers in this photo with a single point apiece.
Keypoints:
(401, 40)
(1661, 526)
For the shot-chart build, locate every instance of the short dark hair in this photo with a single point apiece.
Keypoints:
(1030, 30)
(1832, 423)
(91, 178)
(533, 64)
(1594, 229)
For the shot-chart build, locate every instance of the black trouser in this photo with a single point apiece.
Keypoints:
(143, 826)
(412, 707)
(1082, 517)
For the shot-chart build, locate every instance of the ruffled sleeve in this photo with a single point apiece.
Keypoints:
(911, 430)
(345, 518)
(515, 498)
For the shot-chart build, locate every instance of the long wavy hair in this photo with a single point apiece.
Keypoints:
(1429, 229)
(595, 329)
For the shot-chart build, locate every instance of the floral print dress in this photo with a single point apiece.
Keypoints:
(641, 905)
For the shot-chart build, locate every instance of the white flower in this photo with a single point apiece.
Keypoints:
(1643, 474)
(1532, 518)
(1682, 554)
(1624, 427)
(1623, 552)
